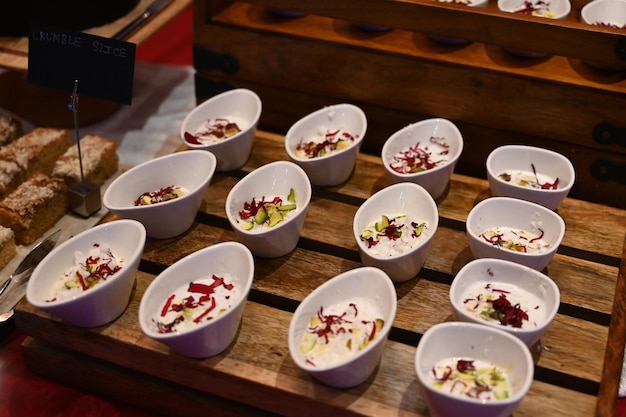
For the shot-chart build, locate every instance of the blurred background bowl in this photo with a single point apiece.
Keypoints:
(470, 341)
(411, 200)
(241, 106)
(229, 260)
(549, 166)
(417, 136)
(334, 167)
(192, 170)
(506, 212)
(363, 286)
(107, 299)
(275, 179)
(605, 13)
(534, 293)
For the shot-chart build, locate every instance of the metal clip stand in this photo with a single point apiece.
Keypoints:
(84, 197)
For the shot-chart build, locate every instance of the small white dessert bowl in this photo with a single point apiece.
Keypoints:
(514, 230)
(503, 294)
(530, 173)
(267, 208)
(451, 356)
(225, 125)
(394, 229)
(212, 284)
(554, 9)
(425, 153)
(362, 302)
(186, 174)
(610, 14)
(326, 143)
(99, 291)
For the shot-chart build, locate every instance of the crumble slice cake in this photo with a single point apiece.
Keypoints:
(99, 160)
(11, 175)
(38, 150)
(34, 207)
(10, 128)
(8, 249)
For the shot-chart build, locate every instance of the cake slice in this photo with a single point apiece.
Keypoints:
(99, 159)
(38, 150)
(34, 207)
(11, 175)
(7, 246)
(10, 128)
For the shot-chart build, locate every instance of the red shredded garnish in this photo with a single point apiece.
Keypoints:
(220, 129)
(330, 143)
(445, 375)
(530, 7)
(417, 158)
(158, 196)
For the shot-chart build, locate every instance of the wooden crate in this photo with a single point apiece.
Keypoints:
(401, 76)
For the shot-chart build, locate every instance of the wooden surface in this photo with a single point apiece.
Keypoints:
(576, 359)
(402, 76)
(14, 50)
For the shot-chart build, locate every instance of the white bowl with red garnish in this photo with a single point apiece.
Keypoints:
(503, 294)
(514, 230)
(225, 125)
(425, 153)
(267, 208)
(531, 173)
(451, 357)
(164, 193)
(88, 279)
(326, 143)
(338, 332)
(195, 306)
(394, 229)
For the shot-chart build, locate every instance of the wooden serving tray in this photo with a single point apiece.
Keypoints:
(578, 361)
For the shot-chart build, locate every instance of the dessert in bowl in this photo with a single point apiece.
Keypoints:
(195, 305)
(394, 229)
(88, 279)
(164, 193)
(267, 208)
(605, 13)
(468, 369)
(225, 125)
(514, 230)
(503, 294)
(363, 303)
(326, 143)
(425, 153)
(530, 173)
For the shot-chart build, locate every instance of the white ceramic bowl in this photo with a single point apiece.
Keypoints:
(549, 166)
(417, 136)
(506, 212)
(472, 341)
(240, 106)
(231, 261)
(608, 13)
(335, 167)
(361, 285)
(192, 170)
(537, 295)
(553, 9)
(403, 262)
(275, 179)
(106, 300)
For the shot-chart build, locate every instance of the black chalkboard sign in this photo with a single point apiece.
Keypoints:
(103, 67)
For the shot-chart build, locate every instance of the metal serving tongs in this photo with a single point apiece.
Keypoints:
(26, 267)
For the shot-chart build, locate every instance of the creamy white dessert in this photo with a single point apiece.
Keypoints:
(195, 303)
(530, 179)
(503, 303)
(339, 331)
(422, 156)
(394, 235)
(217, 130)
(260, 214)
(515, 239)
(161, 195)
(325, 142)
(89, 269)
(472, 378)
